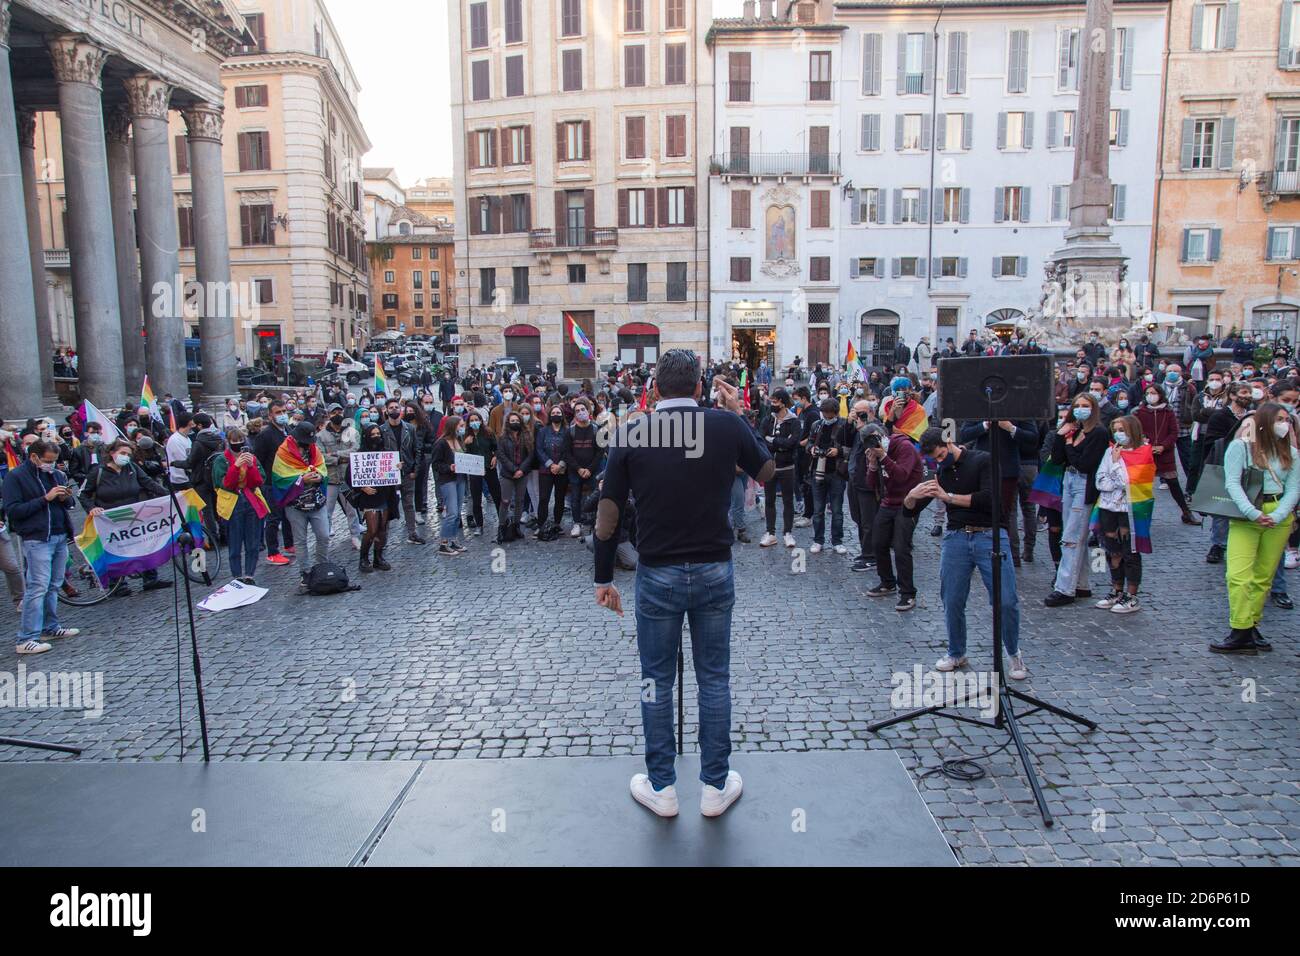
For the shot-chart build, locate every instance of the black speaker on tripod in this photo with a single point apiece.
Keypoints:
(998, 388)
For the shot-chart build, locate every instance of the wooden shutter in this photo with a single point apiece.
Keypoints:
(872, 48)
(1189, 144)
(1230, 17)
(471, 151)
(246, 226)
(1053, 129)
(561, 204)
(245, 161)
(1284, 37)
(528, 145)
(663, 205)
(1002, 131)
(967, 129)
(902, 64)
(999, 204)
(504, 158)
(965, 204)
(1227, 142)
(588, 146)
(589, 200)
(927, 66)
(1216, 244)
(740, 209)
(690, 206)
(622, 209)
(1029, 130)
(561, 143)
(1025, 207)
(183, 155)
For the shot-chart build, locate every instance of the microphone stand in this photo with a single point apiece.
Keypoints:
(185, 542)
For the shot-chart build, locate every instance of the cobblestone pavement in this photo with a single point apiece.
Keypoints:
(456, 658)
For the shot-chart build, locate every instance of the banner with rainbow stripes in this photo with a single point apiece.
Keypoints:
(381, 380)
(140, 537)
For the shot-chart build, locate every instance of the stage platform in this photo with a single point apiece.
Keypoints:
(799, 809)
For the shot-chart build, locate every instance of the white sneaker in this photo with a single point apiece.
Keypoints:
(714, 802)
(767, 540)
(419, 518)
(62, 632)
(32, 647)
(1016, 669)
(815, 549)
(1128, 604)
(662, 802)
(802, 522)
(789, 540)
(575, 531)
(949, 663)
(1110, 600)
(840, 549)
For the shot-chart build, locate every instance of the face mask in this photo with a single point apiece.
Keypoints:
(1153, 399)
(557, 419)
(582, 415)
(238, 449)
(1121, 438)
(1123, 403)
(1082, 376)
(1247, 373)
(822, 396)
(1281, 429)
(233, 409)
(516, 426)
(282, 419)
(336, 420)
(428, 407)
(352, 399)
(476, 425)
(95, 438)
(47, 467)
(460, 432)
(395, 413)
(458, 409)
(122, 460)
(370, 419)
(1214, 385)
(526, 418)
(1257, 394)
(507, 396)
(1173, 378)
(1082, 414)
(1098, 396)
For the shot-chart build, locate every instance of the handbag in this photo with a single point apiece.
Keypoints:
(1211, 497)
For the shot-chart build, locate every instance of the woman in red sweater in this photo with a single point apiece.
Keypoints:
(1160, 425)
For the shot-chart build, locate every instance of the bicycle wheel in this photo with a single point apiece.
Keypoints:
(87, 589)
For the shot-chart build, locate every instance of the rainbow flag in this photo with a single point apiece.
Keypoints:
(913, 422)
(147, 400)
(289, 469)
(381, 380)
(1046, 492)
(141, 536)
(744, 387)
(1141, 467)
(12, 460)
(580, 340)
(853, 362)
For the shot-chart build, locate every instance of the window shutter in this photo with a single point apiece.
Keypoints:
(1230, 25)
(690, 206)
(244, 160)
(898, 205)
(245, 225)
(1063, 60)
(855, 210)
(1279, 143)
(182, 156)
(1126, 71)
(936, 205)
(1058, 204)
(622, 209)
(1025, 214)
(898, 132)
(927, 132)
(1284, 37)
(1227, 142)
(1053, 129)
(528, 145)
(962, 266)
(923, 206)
(561, 201)
(967, 129)
(561, 144)
(1189, 143)
(1187, 242)
(1198, 24)
(1123, 127)
(1270, 245)
(880, 268)
(999, 204)
(498, 216)
(895, 268)
(528, 213)
(589, 200)
(651, 209)
(941, 133)
(902, 65)
(1216, 244)
(854, 267)
(956, 63)
(965, 204)
(1002, 131)
(504, 156)
(921, 263)
(865, 142)
(927, 66)
(1029, 130)
(997, 267)
(936, 268)
(1022, 266)
(1121, 202)
(873, 46)
(1018, 66)
(588, 147)
(663, 206)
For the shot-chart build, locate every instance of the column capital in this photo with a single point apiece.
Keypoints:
(26, 128)
(148, 96)
(117, 124)
(205, 121)
(6, 19)
(77, 59)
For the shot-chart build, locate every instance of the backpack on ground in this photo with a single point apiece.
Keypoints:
(328, 578)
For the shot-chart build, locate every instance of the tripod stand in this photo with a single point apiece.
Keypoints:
(1005, 717)
(185, 542)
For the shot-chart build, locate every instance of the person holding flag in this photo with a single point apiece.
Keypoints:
(299, 478)
(119, 481)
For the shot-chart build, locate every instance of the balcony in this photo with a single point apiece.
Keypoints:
(58, 259)
(776, 164)
(573, 237)
(819, 91)
(1283, 182)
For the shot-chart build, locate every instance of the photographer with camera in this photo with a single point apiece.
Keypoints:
(782, 433)
(829, 441)
(893, 471)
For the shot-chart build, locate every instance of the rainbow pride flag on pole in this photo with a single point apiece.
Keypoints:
(290, 468)
(93, 414)
(147, 400)
(579, 339)
(381, 380)
(140, 537)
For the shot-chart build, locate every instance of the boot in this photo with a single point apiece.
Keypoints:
(1240, 641)
(364, 564)
(1261, 643)
(379, 562)
(516, 534)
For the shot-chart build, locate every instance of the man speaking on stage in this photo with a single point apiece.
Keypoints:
(684, 538)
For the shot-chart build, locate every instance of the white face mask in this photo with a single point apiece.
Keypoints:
(1214, 385)
(1281, 429)
(1257, 394)
(1153, 399)
(1121, 438)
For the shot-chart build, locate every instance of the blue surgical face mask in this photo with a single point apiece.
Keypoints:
(1123, 403)
(1173, 378)
(1121, 438)
(282, 419)
(1082, 414)
(476, 425)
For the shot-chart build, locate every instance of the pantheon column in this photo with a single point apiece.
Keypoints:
(78, 67)
(31, 195)
(19, 347)
(160, 268)
(117, 123)
(212, 253)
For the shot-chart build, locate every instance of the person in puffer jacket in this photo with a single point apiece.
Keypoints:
(553, 450)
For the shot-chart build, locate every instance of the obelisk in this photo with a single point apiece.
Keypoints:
(1091, 258)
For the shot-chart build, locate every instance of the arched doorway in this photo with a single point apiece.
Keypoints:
(879, 338)
(638, 342)
(523, 343)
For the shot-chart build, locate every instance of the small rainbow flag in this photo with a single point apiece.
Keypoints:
(289, 469)
(1046, 492)
(744, 387)
(12, 460)
(1141, 468)
(853, 362)
(580, 340)
(381, 380)
(147, 400)
(913, 422)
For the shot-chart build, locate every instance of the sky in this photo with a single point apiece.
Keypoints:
(401, 61)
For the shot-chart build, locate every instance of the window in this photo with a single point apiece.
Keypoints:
(1015, 130)
(521, 146)
(264, 291)
(741, 269)
(867, 208)
(637, 203)
(185, 221)
(820, 208)
(634, 137)
(390, 276)
(1288, 55)
(634, 65)
(478, 26)
(182, 156)
(675, 14)
(417, 253)
(912, 69)
(577, 273)
(483, 146)
(819, 269)
(417, 279)
(675, 136)
(1010, 267)
(867, 267)
(675, 64)
(1119, 127)
(571, 18)
(741, 206)
(1011, 204)
(1214, 26)
(519, 285)
(912, 126)
(870, 142)
(1018, 61)
(909, 267)
(521, 216)
(956, 204)
(678, 209)
(1060, 203)
(677, 282)
(633, 16)
(514, 10)
(909, 205)
(254, 151)
(1123, 47)
(256, 23)
(480, 80)
(637, 286)
(954, 131)
(418, 300)
(1201, 245)
(949, 267)
(487, 286)
(1204, 138)
(487, 221)
(434, 277)
(872, 63)
(739, 88)
(1281, 243)
(573, 142)
(819, 76)
(957, 55)
(389, 255)
(248, 97)
(1060, 129)
(1118, 202)
(1068, 54)
(390, 300)
(515, 75)
(257, 225)
(571, 70)
(390, 322)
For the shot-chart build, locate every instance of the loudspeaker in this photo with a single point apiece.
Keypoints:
(997, 388)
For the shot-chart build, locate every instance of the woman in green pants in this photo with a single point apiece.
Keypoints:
(1256, 540)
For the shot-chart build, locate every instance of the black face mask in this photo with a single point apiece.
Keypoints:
(557, 419)
(336, 420)
(516, 426)
(395, 414)
(238, 449)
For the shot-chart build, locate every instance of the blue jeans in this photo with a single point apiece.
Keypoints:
(1279, 578)
(962, 553)
(244, 539)
(1219, 531)
(704, 594)
(46, 564)
(737, 514)
(452, 496)
(830, 491)
(1073, 572)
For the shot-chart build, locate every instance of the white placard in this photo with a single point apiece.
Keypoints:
(375, 469)
(469, 464)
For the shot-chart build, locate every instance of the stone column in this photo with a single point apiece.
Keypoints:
(212, 253)
(40, 292)
(19, 348)
(117, 123)
(78, 66)
(160, 267)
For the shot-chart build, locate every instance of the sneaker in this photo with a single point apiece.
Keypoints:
(1126, 605)
(364, 566)
(156, 585)
(278, 560)
(1057, 599)
(32, 647)
(575, 531)
(1214, 555)
(803, 522)
(863, 564)
(714, 802)
(949, 663)
(815, 549)
(62, 632)
(382, 565)
(446, 550)
(789, 541)
(415, 539)
(840, 549)
(419, 518)
(1110, 600)
(743, 537)
(478, 531)
(661, 802)
(457, 547)
(767, 540)
(1283, 601)
(1016, 669)
(906, 602)
(882, 590)
(291, 551)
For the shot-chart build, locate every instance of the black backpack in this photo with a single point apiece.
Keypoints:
(328, 578)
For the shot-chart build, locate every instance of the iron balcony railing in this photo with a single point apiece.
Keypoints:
(574, 237)
(1284, 182)
(777, 164)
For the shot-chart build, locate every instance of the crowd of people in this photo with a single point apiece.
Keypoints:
(1129, 417)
